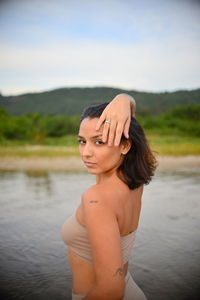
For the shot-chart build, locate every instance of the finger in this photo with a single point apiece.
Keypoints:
(112, 131)
(106, 127)
(100, 121)
(126, 127)
(118, 134)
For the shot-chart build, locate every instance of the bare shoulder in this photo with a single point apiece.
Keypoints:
(93, 191)
(97, 210)
(93, 199)
(102, 197)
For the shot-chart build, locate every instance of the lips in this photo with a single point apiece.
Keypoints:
(89, 164)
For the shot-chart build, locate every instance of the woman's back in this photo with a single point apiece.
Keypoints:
(128, 210)
(126, 205)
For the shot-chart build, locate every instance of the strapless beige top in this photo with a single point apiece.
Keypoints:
(75, 236)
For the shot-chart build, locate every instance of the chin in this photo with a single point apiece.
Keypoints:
(93, 171)
(90, 171)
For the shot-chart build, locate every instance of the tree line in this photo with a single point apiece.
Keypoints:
(72, 101)
(182, 120)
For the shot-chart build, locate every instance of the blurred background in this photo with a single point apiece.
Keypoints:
(56, 58)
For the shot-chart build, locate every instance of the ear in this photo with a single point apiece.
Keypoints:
(126, 145)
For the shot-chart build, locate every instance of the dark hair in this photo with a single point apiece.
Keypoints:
(139, 163)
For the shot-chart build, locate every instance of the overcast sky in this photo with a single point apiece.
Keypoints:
(146, 45)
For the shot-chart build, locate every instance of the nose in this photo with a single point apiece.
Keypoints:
(87, 150)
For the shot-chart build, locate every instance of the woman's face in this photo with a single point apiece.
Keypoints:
(98, 156)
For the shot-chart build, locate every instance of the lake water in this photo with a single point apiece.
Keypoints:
(165, 261)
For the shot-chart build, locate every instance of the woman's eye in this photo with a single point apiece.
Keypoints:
(99, 142)
(81, 141)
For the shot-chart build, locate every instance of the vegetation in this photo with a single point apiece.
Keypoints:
(181, 120)
(175, 131)
(71, 101)
(35, 127)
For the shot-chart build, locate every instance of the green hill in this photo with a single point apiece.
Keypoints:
(71, 101)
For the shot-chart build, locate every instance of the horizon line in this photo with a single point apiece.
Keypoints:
(38, 91)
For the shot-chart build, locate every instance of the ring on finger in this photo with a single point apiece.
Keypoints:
(107, 121)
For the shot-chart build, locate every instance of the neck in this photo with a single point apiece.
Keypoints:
(100, 178)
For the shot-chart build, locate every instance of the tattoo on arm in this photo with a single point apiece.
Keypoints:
(94, 201)
(120, 271)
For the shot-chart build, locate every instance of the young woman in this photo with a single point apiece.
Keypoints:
(101, 233)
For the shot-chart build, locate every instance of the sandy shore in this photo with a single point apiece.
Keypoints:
(75, 163)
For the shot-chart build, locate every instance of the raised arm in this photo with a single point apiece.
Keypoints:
(116, 118)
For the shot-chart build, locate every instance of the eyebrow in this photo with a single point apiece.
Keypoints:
(93, 137)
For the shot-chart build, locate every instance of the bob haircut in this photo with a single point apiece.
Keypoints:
(139, 164)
